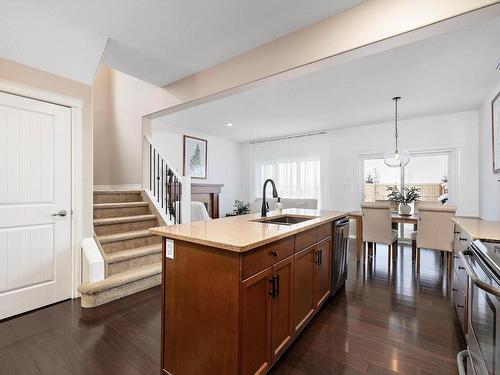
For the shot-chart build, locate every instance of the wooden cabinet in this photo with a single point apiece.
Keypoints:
(323, 271)
(304, 285)
(256, 323)
(282, 307)
(267, 324)
(230, 313)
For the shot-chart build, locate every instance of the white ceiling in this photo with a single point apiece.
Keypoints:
(448, 73)
(156, 41)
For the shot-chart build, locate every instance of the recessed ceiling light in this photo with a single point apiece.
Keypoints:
(229, 124)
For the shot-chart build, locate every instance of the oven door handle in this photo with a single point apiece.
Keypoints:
(473, 277)
(460, 361)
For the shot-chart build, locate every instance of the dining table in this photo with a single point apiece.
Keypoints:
(396, 219)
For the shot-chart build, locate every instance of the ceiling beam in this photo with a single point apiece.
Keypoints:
(368, 28)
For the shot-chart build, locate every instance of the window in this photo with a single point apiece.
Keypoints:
(377, 177)
(427, 171)
(294, 163)
(294, 179)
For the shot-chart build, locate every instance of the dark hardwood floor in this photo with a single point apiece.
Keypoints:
(386, 321)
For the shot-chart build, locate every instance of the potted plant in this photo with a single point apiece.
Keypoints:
(410, 195)
(241, 208)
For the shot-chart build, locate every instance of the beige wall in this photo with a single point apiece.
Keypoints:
(120, 103)
(14, 72)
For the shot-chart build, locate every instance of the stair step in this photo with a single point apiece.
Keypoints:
(115, 237)
(120, 285)
(123, 219)
(117, 196)
(121, 256)
(113, 225)
(98, 206)
(120, 209)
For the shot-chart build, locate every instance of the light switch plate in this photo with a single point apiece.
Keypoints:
(169, 249)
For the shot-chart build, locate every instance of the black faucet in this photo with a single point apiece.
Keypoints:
(275, 195)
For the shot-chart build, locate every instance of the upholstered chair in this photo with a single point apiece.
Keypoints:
(435, 230)
(377, 226)
(394, 205)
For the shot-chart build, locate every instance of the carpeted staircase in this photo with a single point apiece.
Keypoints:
(132, 256)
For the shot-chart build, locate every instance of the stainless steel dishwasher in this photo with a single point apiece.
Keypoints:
(339, 258)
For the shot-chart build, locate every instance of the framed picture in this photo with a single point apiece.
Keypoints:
(495, 122)
(195, 157)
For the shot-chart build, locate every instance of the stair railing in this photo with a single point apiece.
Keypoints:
(167, 188)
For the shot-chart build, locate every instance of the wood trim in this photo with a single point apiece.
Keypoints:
(184, 156)
(163, 290)
(199, 191)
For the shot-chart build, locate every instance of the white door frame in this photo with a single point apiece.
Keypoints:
(76, 165)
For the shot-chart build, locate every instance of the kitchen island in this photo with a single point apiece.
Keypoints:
(237, 290)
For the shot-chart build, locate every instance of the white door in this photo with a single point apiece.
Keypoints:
(35, 184)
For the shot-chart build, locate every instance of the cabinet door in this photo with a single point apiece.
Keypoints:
(282, 307)
(323, 273)
(304, 285)
(256, 323)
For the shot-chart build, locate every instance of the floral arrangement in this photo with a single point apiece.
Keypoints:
(409, 195)
(241, 208)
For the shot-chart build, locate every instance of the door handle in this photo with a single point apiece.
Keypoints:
(474, 278)
(273, 289)
(61, 213)
(277, 285)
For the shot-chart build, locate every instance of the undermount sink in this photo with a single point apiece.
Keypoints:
(286, 219)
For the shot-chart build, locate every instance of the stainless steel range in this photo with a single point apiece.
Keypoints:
(482, 263)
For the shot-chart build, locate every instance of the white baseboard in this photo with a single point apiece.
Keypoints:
(117, 187)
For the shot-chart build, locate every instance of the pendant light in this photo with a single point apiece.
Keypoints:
(397, 158)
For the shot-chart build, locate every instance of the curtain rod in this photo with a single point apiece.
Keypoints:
(287, 137)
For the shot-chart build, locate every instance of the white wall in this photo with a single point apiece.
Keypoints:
(489, 185)
(224, 159)
(457, 131)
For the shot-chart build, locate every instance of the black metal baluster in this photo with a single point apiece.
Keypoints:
(150, 174)
(179, 205)
(154, 170)
(176, 198)
(162, 183)
(158, 180)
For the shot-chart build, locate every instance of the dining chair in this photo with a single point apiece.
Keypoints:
(435, 231)
(394, 205)
(377, 226)
(414, 234)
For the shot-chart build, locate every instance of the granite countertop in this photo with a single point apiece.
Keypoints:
(480, 229)
(241, 233)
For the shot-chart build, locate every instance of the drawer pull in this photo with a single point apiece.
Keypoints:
(456, 232)
(461, 268)
(455, 256)
(274, 253)
(462, 239)
(454, 289)
(461, 306)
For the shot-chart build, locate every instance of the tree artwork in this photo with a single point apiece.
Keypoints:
(195, 160)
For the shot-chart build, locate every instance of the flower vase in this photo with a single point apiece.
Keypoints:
(405, 209)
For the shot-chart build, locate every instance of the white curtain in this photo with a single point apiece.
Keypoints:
(298, 166)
